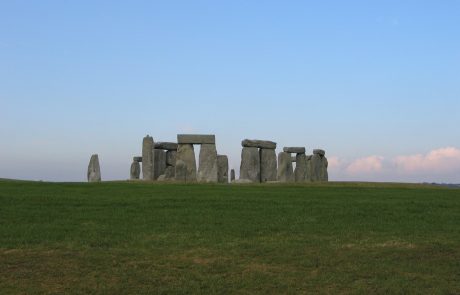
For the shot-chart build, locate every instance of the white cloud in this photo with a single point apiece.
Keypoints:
(436, 161)
(371, 164)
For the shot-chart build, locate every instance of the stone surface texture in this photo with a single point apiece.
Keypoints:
(94, 169)
(171, 158)
(181, 171)
(319, 152)
(159, 163)
(318, 168)
(196, 139)
(301, 172)
(232, 175)
(169, 146)
(250, 164)
(147, 158)
(207, 168)
(222, 169)
(285, 170)
(135, 171)
(263, 144)
(268, 167)
(186, 154)
(170, 172)
(137, 159)
(294, 150)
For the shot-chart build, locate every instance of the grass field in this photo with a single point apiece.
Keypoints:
(121, 237)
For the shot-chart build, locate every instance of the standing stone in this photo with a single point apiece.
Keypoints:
(207, 169)
(285, 170)
(268, 169)
(159, 164)
(94, 170)
(181, 171)
(309, 177)
(135, 171)
(325, 175)
(171, 158)
(319, 166)
(222, 172)
(232, 175)
(250, 164)
(301, 171)
(147, 158)
(186, 154)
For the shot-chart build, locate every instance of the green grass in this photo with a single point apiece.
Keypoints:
(121, 237)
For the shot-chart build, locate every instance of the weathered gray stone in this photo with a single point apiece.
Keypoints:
(242, 181)
(169, 146)
(196, 139)
(171, 158)
(170, 172)
(232, 175)
(319, 152)
(318, 168)
(263, 144)
(94, 170)
(135, 170)
(293, 159)
(301, 172)
(162, 178)
(285, 170)
(181, 171)
(147, 158)
(309, 173)
(222, 172)
(294, 150)
(250, 164)
(186, 154)
(207, 168)
(159, 165)
(268, 168)
(137, 159)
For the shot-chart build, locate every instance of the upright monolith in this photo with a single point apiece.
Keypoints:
(159, 163)
(250, 164)
(285, 170)
(301, 172)
(94, 170)
(222, 172)
(147, 158)
(268, 167)
(232, 175)
(207, 168)
(186, 154)
(135, 170)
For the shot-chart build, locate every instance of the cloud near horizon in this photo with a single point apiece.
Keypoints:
(440, 165)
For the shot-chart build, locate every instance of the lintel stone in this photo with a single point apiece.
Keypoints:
(294, 150)
(196, 139)
(262, 144)
(137, 159)
(169, 146)
(319, 152)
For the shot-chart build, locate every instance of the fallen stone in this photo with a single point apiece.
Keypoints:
(186, 154)
(159, 165)
(232, 175)
(207, 168)
(222, 169)
(300, 171)
(294, 150)
(285, 170)
(135, 170)
(94, 169)
(147, 158)
(262, 144)
(319, 152)
(137, 159)
(196, 139)
(171, 158)
(268, 168)
(169, 146)
(250, 164)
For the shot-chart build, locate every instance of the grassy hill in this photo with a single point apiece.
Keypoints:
(123, 237)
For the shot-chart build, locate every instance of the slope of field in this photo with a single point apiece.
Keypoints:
(122, 237)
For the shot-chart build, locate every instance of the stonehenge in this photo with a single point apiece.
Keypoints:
(258, 160)
(135, 170)
(94, 170)
(222, 169)
(171, 161)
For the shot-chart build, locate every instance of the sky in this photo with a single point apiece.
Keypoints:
(374, 83)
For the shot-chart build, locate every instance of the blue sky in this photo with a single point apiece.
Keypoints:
(371, 82)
